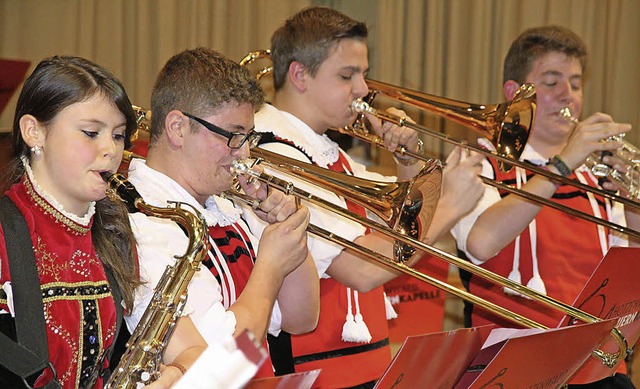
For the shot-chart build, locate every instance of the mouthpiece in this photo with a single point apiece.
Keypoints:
(359, 106)
(566, 114)
(106, 175)
(120, 187)
(239, 167)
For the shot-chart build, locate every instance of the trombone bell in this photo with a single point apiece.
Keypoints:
(506, 125)
(393, 202)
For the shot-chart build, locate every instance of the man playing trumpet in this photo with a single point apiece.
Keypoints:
(543, 248)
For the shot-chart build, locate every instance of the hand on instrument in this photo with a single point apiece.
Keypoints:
(284, 245)
(392, 134)
(274, 206)
(169, 375)
(252, 186)
(462, 187)
(624, 168)
(591, 135)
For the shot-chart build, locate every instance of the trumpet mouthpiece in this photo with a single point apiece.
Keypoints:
(566, 114)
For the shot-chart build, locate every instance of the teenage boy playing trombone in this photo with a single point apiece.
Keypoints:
(320, 63)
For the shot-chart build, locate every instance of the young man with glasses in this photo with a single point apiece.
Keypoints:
(203, 106)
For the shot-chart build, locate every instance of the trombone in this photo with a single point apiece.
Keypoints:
(390, 210)
(317, 175)
(424, 101)
(506, 125)
(361, 107)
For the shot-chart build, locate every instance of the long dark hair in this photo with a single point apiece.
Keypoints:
(56, 83)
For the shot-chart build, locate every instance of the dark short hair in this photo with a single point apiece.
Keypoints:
(307, 36)
(537, 41)
(200, 81)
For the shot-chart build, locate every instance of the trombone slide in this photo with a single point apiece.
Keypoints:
(244, 167)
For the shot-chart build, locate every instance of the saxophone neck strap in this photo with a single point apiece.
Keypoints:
(30, 353)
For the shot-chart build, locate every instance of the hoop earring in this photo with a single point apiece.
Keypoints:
(36, 150)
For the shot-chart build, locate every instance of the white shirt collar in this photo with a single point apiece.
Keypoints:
(156, 188)
(533, 156)
(81, 220)
(322, 150)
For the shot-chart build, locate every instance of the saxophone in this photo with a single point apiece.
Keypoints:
(140, 363)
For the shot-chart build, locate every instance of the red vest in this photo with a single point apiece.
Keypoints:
(568, 251)
(343, 364)
(238, 253)
(74, 287)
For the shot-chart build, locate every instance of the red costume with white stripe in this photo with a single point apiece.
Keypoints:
(568, 249)
(343, 363)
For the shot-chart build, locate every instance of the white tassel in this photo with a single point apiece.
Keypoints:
(354, 329)
(349, 330)
(536, 283)
(388, 308)
(515, 275)
(363, 330)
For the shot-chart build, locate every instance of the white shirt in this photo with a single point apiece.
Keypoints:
(491, 196)
(323, 151)
(160, 240)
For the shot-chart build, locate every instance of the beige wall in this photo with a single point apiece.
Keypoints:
(451, 48)
(444, 47)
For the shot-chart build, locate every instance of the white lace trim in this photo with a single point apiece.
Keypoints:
(157, 188)
(83, 221)
(322, 150)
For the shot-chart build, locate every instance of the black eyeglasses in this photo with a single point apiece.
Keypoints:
(235, 140)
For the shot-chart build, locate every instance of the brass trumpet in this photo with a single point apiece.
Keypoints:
(361, 106)
(629, 180)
